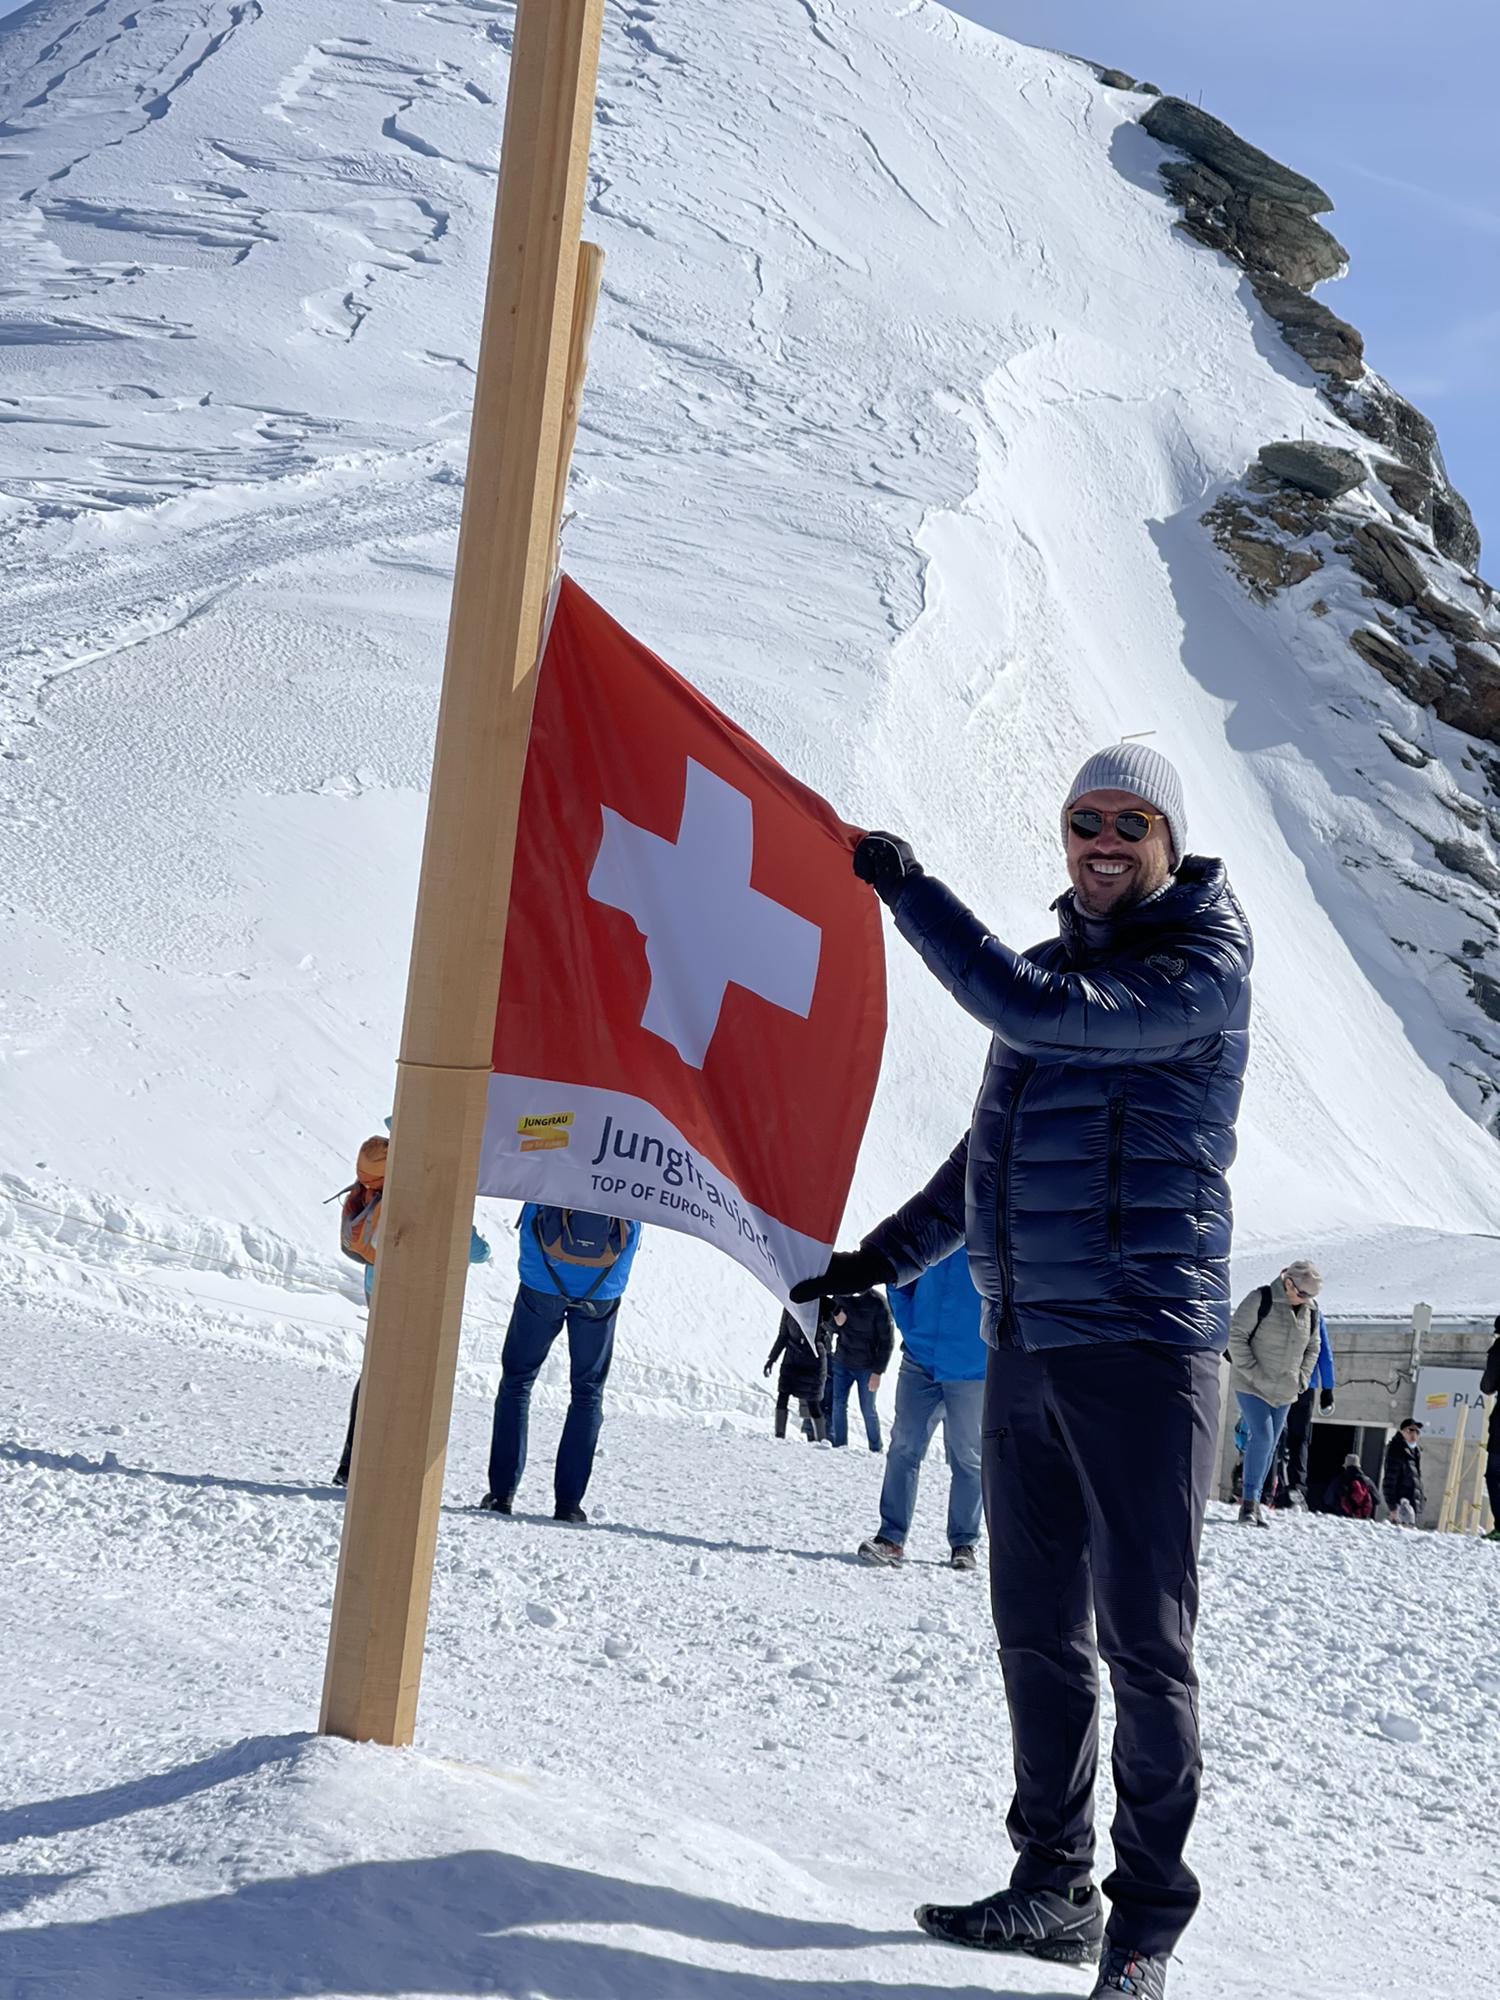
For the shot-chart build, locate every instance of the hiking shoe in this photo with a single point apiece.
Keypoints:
(1252, 1515)
(881, 1554)
(575, 1516)
(495, 1503)
(964, 1557)
(1132, 1973)
(1063, 1925)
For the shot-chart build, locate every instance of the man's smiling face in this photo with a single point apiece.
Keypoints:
(1108, 872)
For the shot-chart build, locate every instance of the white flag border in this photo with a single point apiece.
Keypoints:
(575, 1146)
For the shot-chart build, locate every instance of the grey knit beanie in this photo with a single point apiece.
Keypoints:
(1134, 767)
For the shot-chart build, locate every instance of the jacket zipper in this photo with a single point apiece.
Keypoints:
(1112, 1186)
(1002, 1196)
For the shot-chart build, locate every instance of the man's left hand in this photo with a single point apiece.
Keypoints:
(886, 862)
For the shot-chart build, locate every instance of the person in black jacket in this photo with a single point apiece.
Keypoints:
(1490, 1386)
(861, 1355)
(804, 1373)
(1090, 1191)
(1403, 1470)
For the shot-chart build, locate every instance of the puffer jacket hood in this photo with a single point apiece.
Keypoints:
(1090, 1187)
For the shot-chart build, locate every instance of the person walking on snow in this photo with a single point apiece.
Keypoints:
(861, 1355)
(1317, 1396)
(359, 1238)
(1273, 1348)
(804, 1373)
(942, 1375)
(1401, 1482)
(1091, 1192)
(574, 1269)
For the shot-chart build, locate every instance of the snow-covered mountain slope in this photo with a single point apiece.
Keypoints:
(906, 401)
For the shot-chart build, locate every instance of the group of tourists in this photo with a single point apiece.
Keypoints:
(1060, 1285)
(941, 1379)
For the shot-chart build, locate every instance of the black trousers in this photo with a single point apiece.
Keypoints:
(1097, 1466)
(1492, 1480)
(1298, 1435)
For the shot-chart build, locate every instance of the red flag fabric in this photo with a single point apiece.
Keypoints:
(692, 1003)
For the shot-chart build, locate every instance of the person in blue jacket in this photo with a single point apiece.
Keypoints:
(1299, 1418)
(1091, 1192)
(574, 1269)
(941, 1376)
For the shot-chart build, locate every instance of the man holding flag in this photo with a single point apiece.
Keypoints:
(1091, 1192)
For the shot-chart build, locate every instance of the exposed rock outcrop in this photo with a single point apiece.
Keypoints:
(1238, 200)
(1320, 469)
(1175, 122)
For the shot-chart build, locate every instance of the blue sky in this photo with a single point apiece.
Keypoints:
(1392, 108)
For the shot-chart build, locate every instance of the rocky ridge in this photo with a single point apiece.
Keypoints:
(1368, 532)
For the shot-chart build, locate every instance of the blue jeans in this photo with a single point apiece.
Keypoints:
(920, 1401)
(536, 1319)
(1265, 1422)
(842, 1381)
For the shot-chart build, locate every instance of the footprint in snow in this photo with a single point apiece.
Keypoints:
(1399, 1728)
(542, 1614)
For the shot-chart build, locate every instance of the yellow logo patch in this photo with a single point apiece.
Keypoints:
(545, 1133)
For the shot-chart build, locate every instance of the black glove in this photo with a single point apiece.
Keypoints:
(1325, 1401)
(848, 1271)
(886, 862)
(767, 1369)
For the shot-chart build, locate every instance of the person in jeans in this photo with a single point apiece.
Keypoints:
(1091, 1191)
(941, 1377)
(1274, 1344)
(574, 1269)
(864, 1337)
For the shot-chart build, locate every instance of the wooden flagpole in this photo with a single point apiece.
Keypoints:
(506, 548)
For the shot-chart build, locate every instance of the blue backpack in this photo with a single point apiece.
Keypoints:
(574, 1236)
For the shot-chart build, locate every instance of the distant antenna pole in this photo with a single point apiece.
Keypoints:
(537, 308)
(1137, 735)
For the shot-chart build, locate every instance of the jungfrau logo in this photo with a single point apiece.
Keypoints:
(544, 1132)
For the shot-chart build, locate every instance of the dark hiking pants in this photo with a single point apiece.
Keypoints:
(536, 1319)
(1299, 1420)
(1097, 1465)
(810, 1411)
(1492, 1481)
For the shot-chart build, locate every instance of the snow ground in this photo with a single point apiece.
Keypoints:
(694, 1752)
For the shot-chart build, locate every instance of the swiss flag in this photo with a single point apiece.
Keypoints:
(692, 1005)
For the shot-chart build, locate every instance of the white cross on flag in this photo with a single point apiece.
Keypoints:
(692, 1005)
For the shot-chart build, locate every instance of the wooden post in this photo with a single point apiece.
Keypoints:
(506, 548)
(585, 304)
(1453, 1475)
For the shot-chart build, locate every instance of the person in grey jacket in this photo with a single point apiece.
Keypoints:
(1274, 1343)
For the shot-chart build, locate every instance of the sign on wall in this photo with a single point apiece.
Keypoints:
(1442, 1394)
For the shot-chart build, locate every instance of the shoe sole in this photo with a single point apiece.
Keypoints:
(879, 1562)
(1056, 1951)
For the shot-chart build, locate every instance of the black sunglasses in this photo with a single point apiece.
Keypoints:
(1132, 824)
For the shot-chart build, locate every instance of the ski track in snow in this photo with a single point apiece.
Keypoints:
(695, 1750)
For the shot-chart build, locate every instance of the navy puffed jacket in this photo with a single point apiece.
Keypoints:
(1091, 1184)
